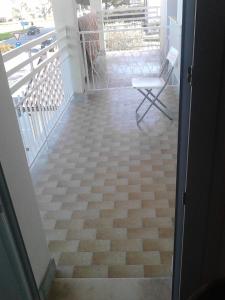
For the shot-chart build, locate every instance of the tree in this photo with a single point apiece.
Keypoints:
(26, 8)
(45, 8)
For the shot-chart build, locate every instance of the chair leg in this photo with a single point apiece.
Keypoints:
(163, 111)
(142, 102)
(158, 100)
(153, 102)
(144, 114)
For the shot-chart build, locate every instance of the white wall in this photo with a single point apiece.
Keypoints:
(171, 9)
(171, 22)
(13, 160)
(175, 41)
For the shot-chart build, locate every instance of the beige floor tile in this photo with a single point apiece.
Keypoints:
(111, 233)
(166, 232)
(59, 215)
(63, 246)
(166, 257)
(141, 213)
(113, 213)
(158, 245)
(83, 234)
(157, 271)
(142, 233)
(115, 196)
(101, 205)
(77, 205)
(56, 234)
(126, 245)
(99, 223)
(128, 204)
(86, 214)
(94, 245)
(74, 258)
(155, 204)
(131, 222)
(143, 258)
(69, 224)
(164, 212)
(164, 222)
(109, 258)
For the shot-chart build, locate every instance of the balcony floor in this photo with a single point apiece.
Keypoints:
(117, 68)
(106, 188)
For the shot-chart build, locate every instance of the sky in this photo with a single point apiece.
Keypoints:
(6, 6)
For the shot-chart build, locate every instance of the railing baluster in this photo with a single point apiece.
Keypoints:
(39, 97)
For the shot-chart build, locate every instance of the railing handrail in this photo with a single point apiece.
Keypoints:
(30, 59)
(117, 14)
(15, 52)
(110, 11)
(128, 29)
(119, 29)
(132, 19)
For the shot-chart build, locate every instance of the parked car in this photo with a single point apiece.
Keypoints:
(48, 42)
(33, 30)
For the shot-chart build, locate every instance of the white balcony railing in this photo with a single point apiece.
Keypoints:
(127, 53)
(37, 88)
(120, 43)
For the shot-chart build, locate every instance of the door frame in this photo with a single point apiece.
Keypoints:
(187, 52)
(199, 255)
(14, 243)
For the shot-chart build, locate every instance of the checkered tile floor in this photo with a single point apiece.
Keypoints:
(106, 188)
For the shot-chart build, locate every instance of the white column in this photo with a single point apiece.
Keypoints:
(96, 7)
(16, 171)
(65, 17)
(179, 11)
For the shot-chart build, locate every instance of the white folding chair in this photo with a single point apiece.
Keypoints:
(146, 85)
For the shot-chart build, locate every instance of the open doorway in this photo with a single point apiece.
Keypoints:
(106, 187)
(67, 215)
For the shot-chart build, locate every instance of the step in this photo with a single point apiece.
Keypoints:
(111, 289)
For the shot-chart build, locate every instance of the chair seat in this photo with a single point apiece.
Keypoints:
(147, 83)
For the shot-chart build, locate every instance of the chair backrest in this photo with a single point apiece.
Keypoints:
(172, 56)
(169, 64)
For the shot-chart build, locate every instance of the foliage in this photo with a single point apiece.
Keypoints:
(5, 48)
(25, 9)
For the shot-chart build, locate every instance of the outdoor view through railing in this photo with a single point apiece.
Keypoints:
(36, 85)
(122, 43)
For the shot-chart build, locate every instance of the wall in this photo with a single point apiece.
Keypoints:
(163, 31)
(171, 26)
(13, 160)
(171, 9)
(175, 29)
(175, 41)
